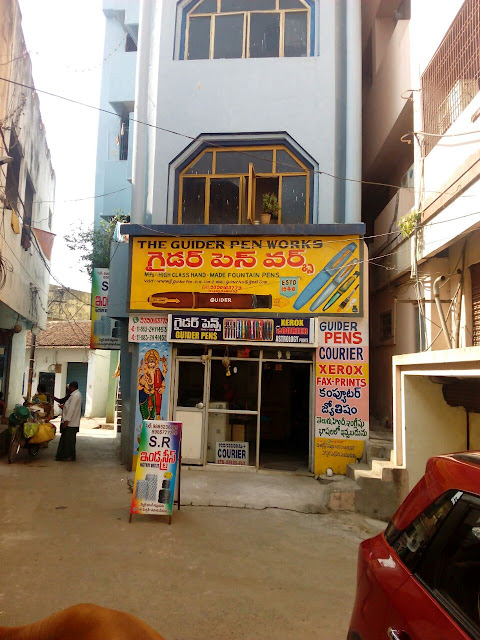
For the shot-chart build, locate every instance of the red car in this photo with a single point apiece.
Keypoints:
(420, 579)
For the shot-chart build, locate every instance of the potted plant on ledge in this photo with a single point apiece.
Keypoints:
(269, 208)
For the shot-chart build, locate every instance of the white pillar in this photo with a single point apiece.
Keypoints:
(353, 190)
(139, 164)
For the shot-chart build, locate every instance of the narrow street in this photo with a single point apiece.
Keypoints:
(214, 573)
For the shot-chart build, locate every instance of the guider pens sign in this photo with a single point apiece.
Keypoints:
(289, 275)
(184, 328)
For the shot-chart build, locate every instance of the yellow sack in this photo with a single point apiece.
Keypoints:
(44, 434)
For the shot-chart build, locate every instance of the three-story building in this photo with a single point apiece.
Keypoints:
(244, 313)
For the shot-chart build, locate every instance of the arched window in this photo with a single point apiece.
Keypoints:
(226, 186)
(248, 29)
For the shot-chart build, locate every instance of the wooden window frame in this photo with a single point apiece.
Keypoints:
(246, 27)
(246, 209)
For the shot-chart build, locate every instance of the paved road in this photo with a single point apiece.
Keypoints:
(214, 573)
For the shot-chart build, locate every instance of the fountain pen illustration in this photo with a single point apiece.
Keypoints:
(195, 300)
(320, 280)
(348, 299)
(341, 276)
(341, 290)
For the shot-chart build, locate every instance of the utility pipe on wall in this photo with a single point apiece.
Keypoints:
(353, 190)
(139, 164)
(436, 295)
(31, 364)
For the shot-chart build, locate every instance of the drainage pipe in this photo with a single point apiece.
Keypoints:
(436, 295)
(353, 169)
(139, 164)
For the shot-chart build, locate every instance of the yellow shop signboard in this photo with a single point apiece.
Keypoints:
(319, 275)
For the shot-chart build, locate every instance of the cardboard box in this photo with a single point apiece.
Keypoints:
(238, 433)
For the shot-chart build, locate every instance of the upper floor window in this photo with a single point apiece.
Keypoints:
(452, 78)
(248, 29)
(228, 185)
(130, 44)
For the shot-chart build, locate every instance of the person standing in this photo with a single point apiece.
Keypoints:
(72, 412)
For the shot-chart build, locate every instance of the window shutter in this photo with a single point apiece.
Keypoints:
(475, 273)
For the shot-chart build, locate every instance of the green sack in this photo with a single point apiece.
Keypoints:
(30, 429)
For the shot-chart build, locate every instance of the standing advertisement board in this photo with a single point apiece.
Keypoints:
(254, 275)
(341, 403)
(157, 468)
(102, 334)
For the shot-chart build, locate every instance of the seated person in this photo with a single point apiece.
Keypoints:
(41, 398)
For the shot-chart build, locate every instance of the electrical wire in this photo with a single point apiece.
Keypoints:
(438, 135)
(6, 267)
(100, 195)
(212, 144)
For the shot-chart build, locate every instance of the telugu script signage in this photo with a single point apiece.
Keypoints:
(341, 406)
(147, 328)
(293, 330)
(103, 329)
(157, 467)
(288, 275)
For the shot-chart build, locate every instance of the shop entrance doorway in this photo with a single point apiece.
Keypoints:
(285, 416)
(190, 407)
(248, 400)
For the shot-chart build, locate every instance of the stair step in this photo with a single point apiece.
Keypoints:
(354, 469)
(374, 469)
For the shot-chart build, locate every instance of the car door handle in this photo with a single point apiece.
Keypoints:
(395, 634)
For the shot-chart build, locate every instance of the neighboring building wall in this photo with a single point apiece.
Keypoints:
(113, 171)
(45, 361)
(8, 11)
(68, 304)
(97, 380)
(446, 188)
(97, 383)
(24, 296)
(431, 426)
(424, 424)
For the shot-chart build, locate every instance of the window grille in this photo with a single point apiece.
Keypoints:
(475, 274)
(451, 80)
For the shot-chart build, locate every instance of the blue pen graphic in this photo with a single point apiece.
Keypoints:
(336, 282)
(321, 279)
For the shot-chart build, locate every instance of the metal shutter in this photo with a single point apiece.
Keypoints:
(475, 273)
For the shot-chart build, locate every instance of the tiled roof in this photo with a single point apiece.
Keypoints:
(63, 334)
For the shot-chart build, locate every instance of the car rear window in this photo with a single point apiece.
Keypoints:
(411, 543)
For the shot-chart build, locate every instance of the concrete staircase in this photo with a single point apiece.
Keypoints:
(380, 481)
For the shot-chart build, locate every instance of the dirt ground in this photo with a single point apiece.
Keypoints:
(214, 573)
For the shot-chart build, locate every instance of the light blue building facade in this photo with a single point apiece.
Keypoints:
(233, 100)
(114, 158)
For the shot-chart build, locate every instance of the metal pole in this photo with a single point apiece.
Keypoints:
(31, 366)
(436, 294)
